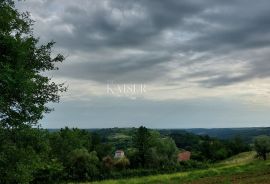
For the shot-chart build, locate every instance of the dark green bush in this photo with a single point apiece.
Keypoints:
(192, 164)
(82, 165)
(51, 172)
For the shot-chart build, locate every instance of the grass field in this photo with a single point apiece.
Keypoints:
(240, 169)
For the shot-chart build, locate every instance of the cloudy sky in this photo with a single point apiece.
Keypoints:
(193, 63)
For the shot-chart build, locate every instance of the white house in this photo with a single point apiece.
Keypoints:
(119, 154)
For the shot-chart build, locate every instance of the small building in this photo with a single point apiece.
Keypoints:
(184, 156)
(119, 154)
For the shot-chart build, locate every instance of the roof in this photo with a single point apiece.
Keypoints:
(183, 156)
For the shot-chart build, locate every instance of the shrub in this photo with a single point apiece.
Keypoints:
(107, 163)
(50, 172)
(122, 163)
(192, 164)
(262, 146)
(82, 165)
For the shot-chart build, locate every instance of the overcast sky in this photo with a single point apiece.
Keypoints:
(194, 63)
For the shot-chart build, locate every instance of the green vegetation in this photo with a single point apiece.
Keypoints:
(24, 151)
(262, 146)
(80, 155)
(24, 90)
(245, 169)
(205, 148)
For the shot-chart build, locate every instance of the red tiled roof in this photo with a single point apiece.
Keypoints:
(184, 156)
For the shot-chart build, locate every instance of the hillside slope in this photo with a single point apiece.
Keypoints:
(238, 169)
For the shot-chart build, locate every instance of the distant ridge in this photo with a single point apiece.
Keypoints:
(246, 133)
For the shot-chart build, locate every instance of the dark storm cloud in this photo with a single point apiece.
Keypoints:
(252, 33)
(123, 23)
(214, 27)
(139, 68)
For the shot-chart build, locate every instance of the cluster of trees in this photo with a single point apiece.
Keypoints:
(205, 148)
(151, 150)
(31, 155)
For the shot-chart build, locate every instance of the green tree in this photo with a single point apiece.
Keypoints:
(24, 90)
(52, 171)
(237, 145)
(262, 146)
(82, 165)
(162, 152)
(22, 154)
(66, 140)
(141, 141)
(24, 151)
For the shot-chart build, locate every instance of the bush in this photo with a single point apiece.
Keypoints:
(262, 146)
(107, 163)
(82, 165)
(192, 164)
(50, 172)
(121, 163)
(24, 152)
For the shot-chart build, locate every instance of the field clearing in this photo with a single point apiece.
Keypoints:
(242, 168)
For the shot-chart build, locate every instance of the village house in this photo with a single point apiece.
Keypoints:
(184, 156)
(119, 154)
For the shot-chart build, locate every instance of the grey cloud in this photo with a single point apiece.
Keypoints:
(223, 80)
(215, 27)
(95, 28)
(132, 68)
(256, 68)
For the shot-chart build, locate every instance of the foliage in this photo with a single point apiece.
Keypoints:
(262, 146)
(71, 154)
(82, 165)
(141, 141)
(51, 172)
(107, 163)
(122, 163)
(24, 90)
(162, 153)
(205, 148)
(67, 140)
(22, 153)
(253, 172)
(192, 164)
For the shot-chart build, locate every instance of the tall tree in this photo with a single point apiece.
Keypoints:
(141, 142)
(24, 90)
(262, 146)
